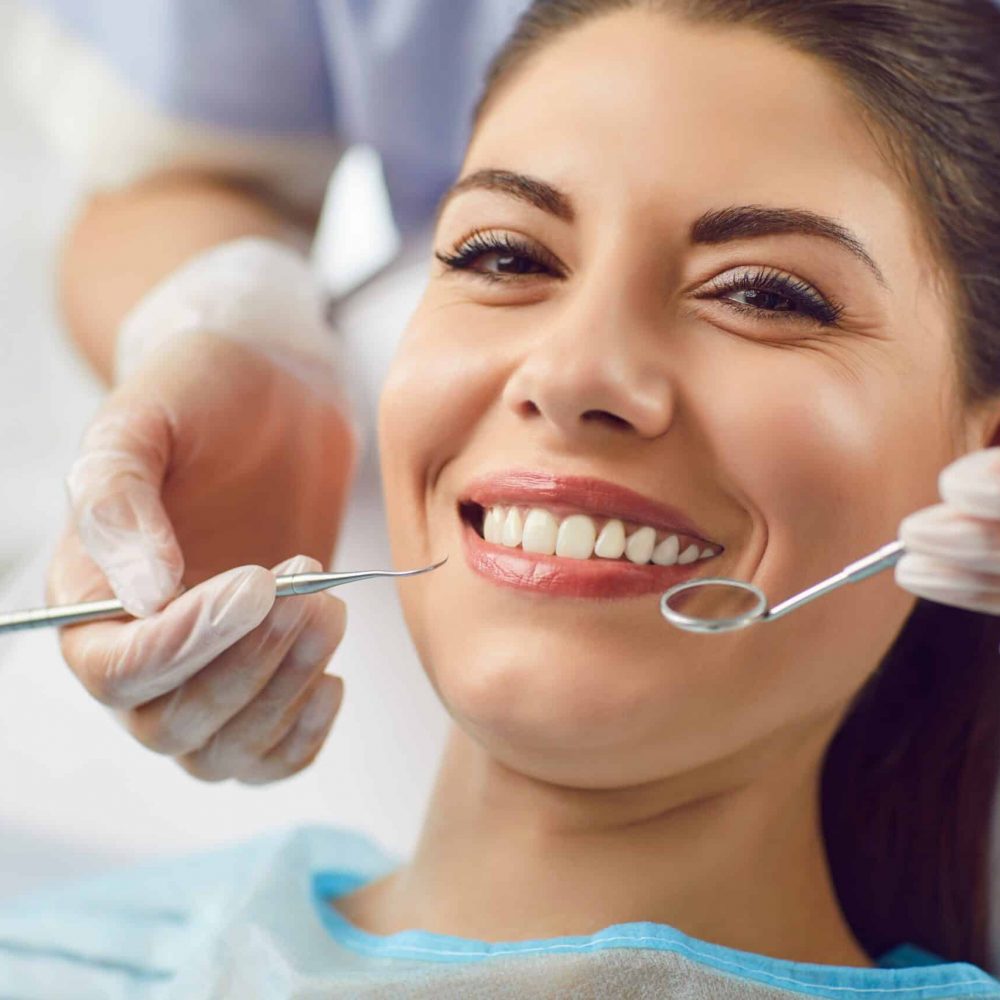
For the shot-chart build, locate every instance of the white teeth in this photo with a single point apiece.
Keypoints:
(493, 524)
(512, 528)
(611, 541)
(689, 554)
(640, 544)
(539, 533)
(538, 530)
(665, 554)
(575, 539)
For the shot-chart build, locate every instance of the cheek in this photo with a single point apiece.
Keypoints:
(819, 460)
(433, 396)
(438, 389)
(823, 464)
(443, 388)
(408, 425)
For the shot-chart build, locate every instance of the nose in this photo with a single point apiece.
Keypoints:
(595, 366)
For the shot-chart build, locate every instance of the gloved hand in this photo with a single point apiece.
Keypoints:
(953, 548)
(217, 450)
(226, 679)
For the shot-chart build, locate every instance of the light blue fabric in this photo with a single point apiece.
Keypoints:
(401, 75)
(255, 920)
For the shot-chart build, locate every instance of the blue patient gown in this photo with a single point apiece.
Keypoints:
(254, 921)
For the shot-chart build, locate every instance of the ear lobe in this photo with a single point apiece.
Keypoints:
(985, 424)
(993, 441)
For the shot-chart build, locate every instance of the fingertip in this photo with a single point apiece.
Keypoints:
(339, 613)
(972, 483)
(303, 742)
(317, 714)
(72, 481)
(245, 596)
(143, 586)
(260, 582)
(329, 595)
(298, 564)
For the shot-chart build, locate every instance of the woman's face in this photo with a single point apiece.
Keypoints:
(629, 300)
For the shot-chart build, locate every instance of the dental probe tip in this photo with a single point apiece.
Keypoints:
(423, 569)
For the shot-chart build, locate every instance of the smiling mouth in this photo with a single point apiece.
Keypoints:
(542, 530)
(576, 536)
(555, 575)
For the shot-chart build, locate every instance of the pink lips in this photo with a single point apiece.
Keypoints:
(592, 578)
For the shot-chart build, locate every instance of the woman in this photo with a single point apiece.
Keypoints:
(711, 271)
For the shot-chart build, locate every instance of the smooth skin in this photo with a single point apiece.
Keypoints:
(602, 766)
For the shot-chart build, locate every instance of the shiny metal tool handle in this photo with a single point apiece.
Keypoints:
(882, 558)
(92, 611)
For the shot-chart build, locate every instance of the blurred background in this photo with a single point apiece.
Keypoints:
(77, 793)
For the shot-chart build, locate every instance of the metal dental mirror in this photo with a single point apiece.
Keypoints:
(717, 604)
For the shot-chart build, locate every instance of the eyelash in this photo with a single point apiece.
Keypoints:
(480, 242)
(810, 302)
(807, 300)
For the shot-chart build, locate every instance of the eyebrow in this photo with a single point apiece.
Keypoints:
(530, 189)
(736, 222)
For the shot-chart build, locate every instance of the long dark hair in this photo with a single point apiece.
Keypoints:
(909, 778)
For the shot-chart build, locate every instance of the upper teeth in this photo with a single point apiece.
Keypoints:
(536, 529)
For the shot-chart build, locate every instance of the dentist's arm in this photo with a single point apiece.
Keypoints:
(124, 242)
(225, 443)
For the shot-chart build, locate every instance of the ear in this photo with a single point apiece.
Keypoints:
(992, 427)
(982, 426)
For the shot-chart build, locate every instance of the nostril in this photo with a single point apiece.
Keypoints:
(606, 417)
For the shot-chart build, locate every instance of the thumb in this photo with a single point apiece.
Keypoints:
(114, 491)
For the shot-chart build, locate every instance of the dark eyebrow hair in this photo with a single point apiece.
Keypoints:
(736, 222)
(529, 189)
(749, 221)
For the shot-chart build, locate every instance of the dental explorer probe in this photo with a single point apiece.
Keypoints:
(92, 611)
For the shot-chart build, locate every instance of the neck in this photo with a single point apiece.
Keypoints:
(735, 860)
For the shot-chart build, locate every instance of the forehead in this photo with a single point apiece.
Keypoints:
(685, 115)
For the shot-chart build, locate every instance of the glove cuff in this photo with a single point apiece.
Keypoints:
(255, 291)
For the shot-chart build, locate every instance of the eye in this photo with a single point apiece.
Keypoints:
(767, 293)
(500, 257)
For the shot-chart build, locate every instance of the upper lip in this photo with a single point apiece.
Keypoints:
(590, 495)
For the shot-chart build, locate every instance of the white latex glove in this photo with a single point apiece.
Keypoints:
(226, 679)
(953, 548)
(226, 444)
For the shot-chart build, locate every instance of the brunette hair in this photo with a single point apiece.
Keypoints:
(909, 779)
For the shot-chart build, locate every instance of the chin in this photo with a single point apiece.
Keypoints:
(550, 705)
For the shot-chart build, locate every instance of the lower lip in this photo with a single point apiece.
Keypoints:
(563, 577)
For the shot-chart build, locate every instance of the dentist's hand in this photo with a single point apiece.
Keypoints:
(226, 679)
(208, 457)
(953, 548)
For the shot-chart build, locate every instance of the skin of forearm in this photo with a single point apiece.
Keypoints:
(123, 242)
